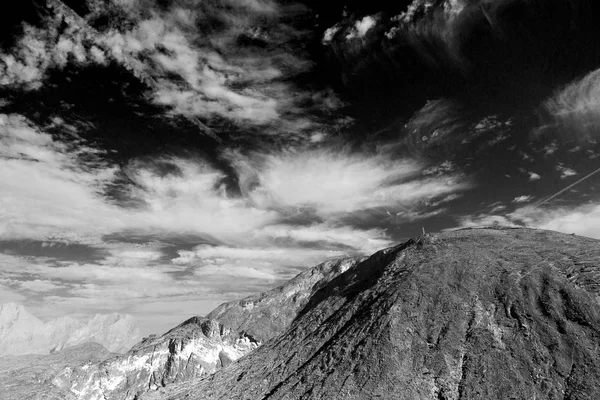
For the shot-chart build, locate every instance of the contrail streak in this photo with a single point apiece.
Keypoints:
(565, 189)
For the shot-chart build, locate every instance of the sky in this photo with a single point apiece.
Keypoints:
(158, 158)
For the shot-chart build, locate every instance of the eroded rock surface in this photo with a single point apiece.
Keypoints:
(197, 347)
(471, 314)
(28, 377)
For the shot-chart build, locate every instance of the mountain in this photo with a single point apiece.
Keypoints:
(469, 314)
(197, 347)
(28, 377)
(22, 333)
(200, 345)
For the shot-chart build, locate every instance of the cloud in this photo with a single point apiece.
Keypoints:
(582, 220)
(576, 107)
(266, 264)
(360, 28)
(330, 33)
(565, 172)
(174, 196)
(522, 199)
(485, 220)
(197, 60)
(330, 182)
(533, 176)
(37, 173)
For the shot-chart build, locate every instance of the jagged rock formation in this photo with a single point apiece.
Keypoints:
(197, 347)
(22, 333)
(28, 377)
(266, 315)
(471, 314)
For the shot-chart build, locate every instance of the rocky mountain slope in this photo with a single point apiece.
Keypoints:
(197, 347)
(200, 346)
(471, 314)
(22, 333)
(28, 377)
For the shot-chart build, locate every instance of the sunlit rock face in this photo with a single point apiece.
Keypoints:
(471, 314)
(22, 333)
(197, 347)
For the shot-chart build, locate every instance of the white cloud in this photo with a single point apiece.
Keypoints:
(330, 33)
(577, 106)
(565, 172)
(335, 182)
(190, 67)
(361, 27)
(522, 199)
(37, 173)
(583, 220)
(365, 241)
(533, 176)
(486, 220)
(550, 149)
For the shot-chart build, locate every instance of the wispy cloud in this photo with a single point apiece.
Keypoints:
(237, 69)
(565, 172)
(332, 182)
(582, 220)
(576, 107)
(522, 199)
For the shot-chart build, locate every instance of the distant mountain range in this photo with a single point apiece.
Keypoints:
(22, 333)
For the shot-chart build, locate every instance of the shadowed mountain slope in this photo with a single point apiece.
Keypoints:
(471, 314)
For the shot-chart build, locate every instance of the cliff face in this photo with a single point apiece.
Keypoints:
(22, 333)
(197, 347)
(472, 314)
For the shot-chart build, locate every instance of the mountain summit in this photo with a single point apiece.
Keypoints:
(470, 314)
(22, 333)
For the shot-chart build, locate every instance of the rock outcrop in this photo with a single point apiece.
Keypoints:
(471, 314)
(22, 333)
(28, 377)
(197, 347)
